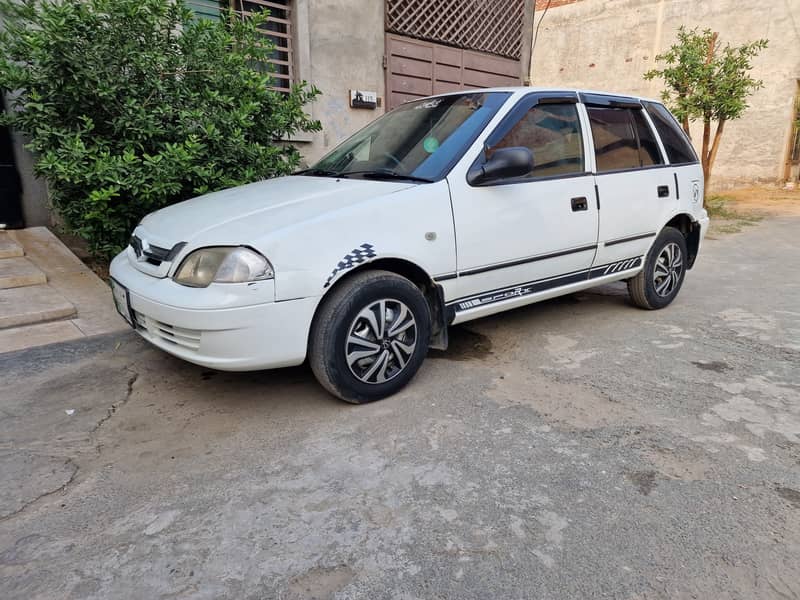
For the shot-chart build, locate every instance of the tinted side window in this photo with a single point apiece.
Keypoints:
(679, 149)
(614, 139)
(649, 153)
(552, 132)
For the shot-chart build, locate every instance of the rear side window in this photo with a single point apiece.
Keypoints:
(552, 133)
(649, 153)
(679, 149)
(622, 139)
(614, 140)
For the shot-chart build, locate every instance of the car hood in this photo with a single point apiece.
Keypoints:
(241, 215)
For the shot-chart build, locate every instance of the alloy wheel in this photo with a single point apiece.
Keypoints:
(381, 341)
(668, 270)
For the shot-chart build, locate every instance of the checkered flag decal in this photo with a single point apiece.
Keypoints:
(355, 257)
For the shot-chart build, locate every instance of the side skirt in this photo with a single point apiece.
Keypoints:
(491, 302)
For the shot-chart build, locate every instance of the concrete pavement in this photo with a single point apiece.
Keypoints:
(579, 448)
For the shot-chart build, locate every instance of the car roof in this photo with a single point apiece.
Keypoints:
(527, 89)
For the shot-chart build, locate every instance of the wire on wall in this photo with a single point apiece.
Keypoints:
(536, 33)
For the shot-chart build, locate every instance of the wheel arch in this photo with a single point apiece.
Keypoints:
(432, 291)
(690, 229)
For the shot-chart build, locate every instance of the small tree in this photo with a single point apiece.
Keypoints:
(131, 105)
(709, 82)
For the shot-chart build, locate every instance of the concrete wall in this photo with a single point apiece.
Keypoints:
(343, 50)
(35, 202)
(35, 199)
(609, 44)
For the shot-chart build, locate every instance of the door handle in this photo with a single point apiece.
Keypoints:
(580, 203)
(663, 191)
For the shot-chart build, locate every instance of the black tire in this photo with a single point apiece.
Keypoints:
(346, 308)
(651, 290)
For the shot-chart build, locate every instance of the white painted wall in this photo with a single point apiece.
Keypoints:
(609, 44)
(345, 47)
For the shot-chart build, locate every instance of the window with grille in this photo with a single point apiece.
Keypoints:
(278, 29)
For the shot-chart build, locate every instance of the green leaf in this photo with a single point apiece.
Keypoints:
(125, 115)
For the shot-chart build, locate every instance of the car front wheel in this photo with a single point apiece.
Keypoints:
(370, 336)
(659, 282)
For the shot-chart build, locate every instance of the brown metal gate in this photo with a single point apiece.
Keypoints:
(417, 68)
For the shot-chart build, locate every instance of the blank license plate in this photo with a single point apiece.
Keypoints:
(122, 301)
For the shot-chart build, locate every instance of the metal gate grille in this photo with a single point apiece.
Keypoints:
(493, 26)
(278, 29)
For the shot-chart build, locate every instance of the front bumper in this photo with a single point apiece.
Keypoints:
(245, 334)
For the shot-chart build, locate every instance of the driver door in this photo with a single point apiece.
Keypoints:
(524, 235)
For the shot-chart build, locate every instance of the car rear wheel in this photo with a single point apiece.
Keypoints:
(659, 282)
(370, 336)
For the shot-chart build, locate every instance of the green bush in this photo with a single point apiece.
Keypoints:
(132, 105)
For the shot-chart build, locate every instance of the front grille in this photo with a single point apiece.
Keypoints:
(179, 336)
(154, 255)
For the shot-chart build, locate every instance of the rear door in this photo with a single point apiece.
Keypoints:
(680, 153)
(636, 194)
(538, 231)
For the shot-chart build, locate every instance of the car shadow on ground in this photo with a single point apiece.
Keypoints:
(292, 386)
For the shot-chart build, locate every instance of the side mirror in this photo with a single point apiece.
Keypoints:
(505, 163)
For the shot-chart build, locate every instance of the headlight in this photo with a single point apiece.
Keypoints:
(223, 265)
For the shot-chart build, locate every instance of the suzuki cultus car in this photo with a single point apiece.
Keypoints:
(444, 210)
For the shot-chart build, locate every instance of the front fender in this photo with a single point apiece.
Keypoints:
(413, 225)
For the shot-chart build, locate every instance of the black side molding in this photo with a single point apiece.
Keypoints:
(632, 238)
(523, 261)
(445, 277)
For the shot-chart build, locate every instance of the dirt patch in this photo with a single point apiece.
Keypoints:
(644, 480)
(736, 209)
(465, 344)
(320, 584)
(680, 463)
(712, 365)
(728, 217)
(569, 404)
(766, 201)
(792, 496)
(80, 248)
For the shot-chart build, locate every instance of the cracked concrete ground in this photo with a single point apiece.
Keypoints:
(579, 448)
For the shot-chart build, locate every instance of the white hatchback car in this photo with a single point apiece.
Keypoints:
(446, 209)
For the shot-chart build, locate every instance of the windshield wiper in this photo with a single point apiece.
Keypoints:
(385, 174)
(317, 173)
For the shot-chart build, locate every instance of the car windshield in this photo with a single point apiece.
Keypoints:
(419, 140)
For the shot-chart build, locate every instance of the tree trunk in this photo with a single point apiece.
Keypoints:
(707, 158)
(686, 127)
(704, 156)
(715, 147)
